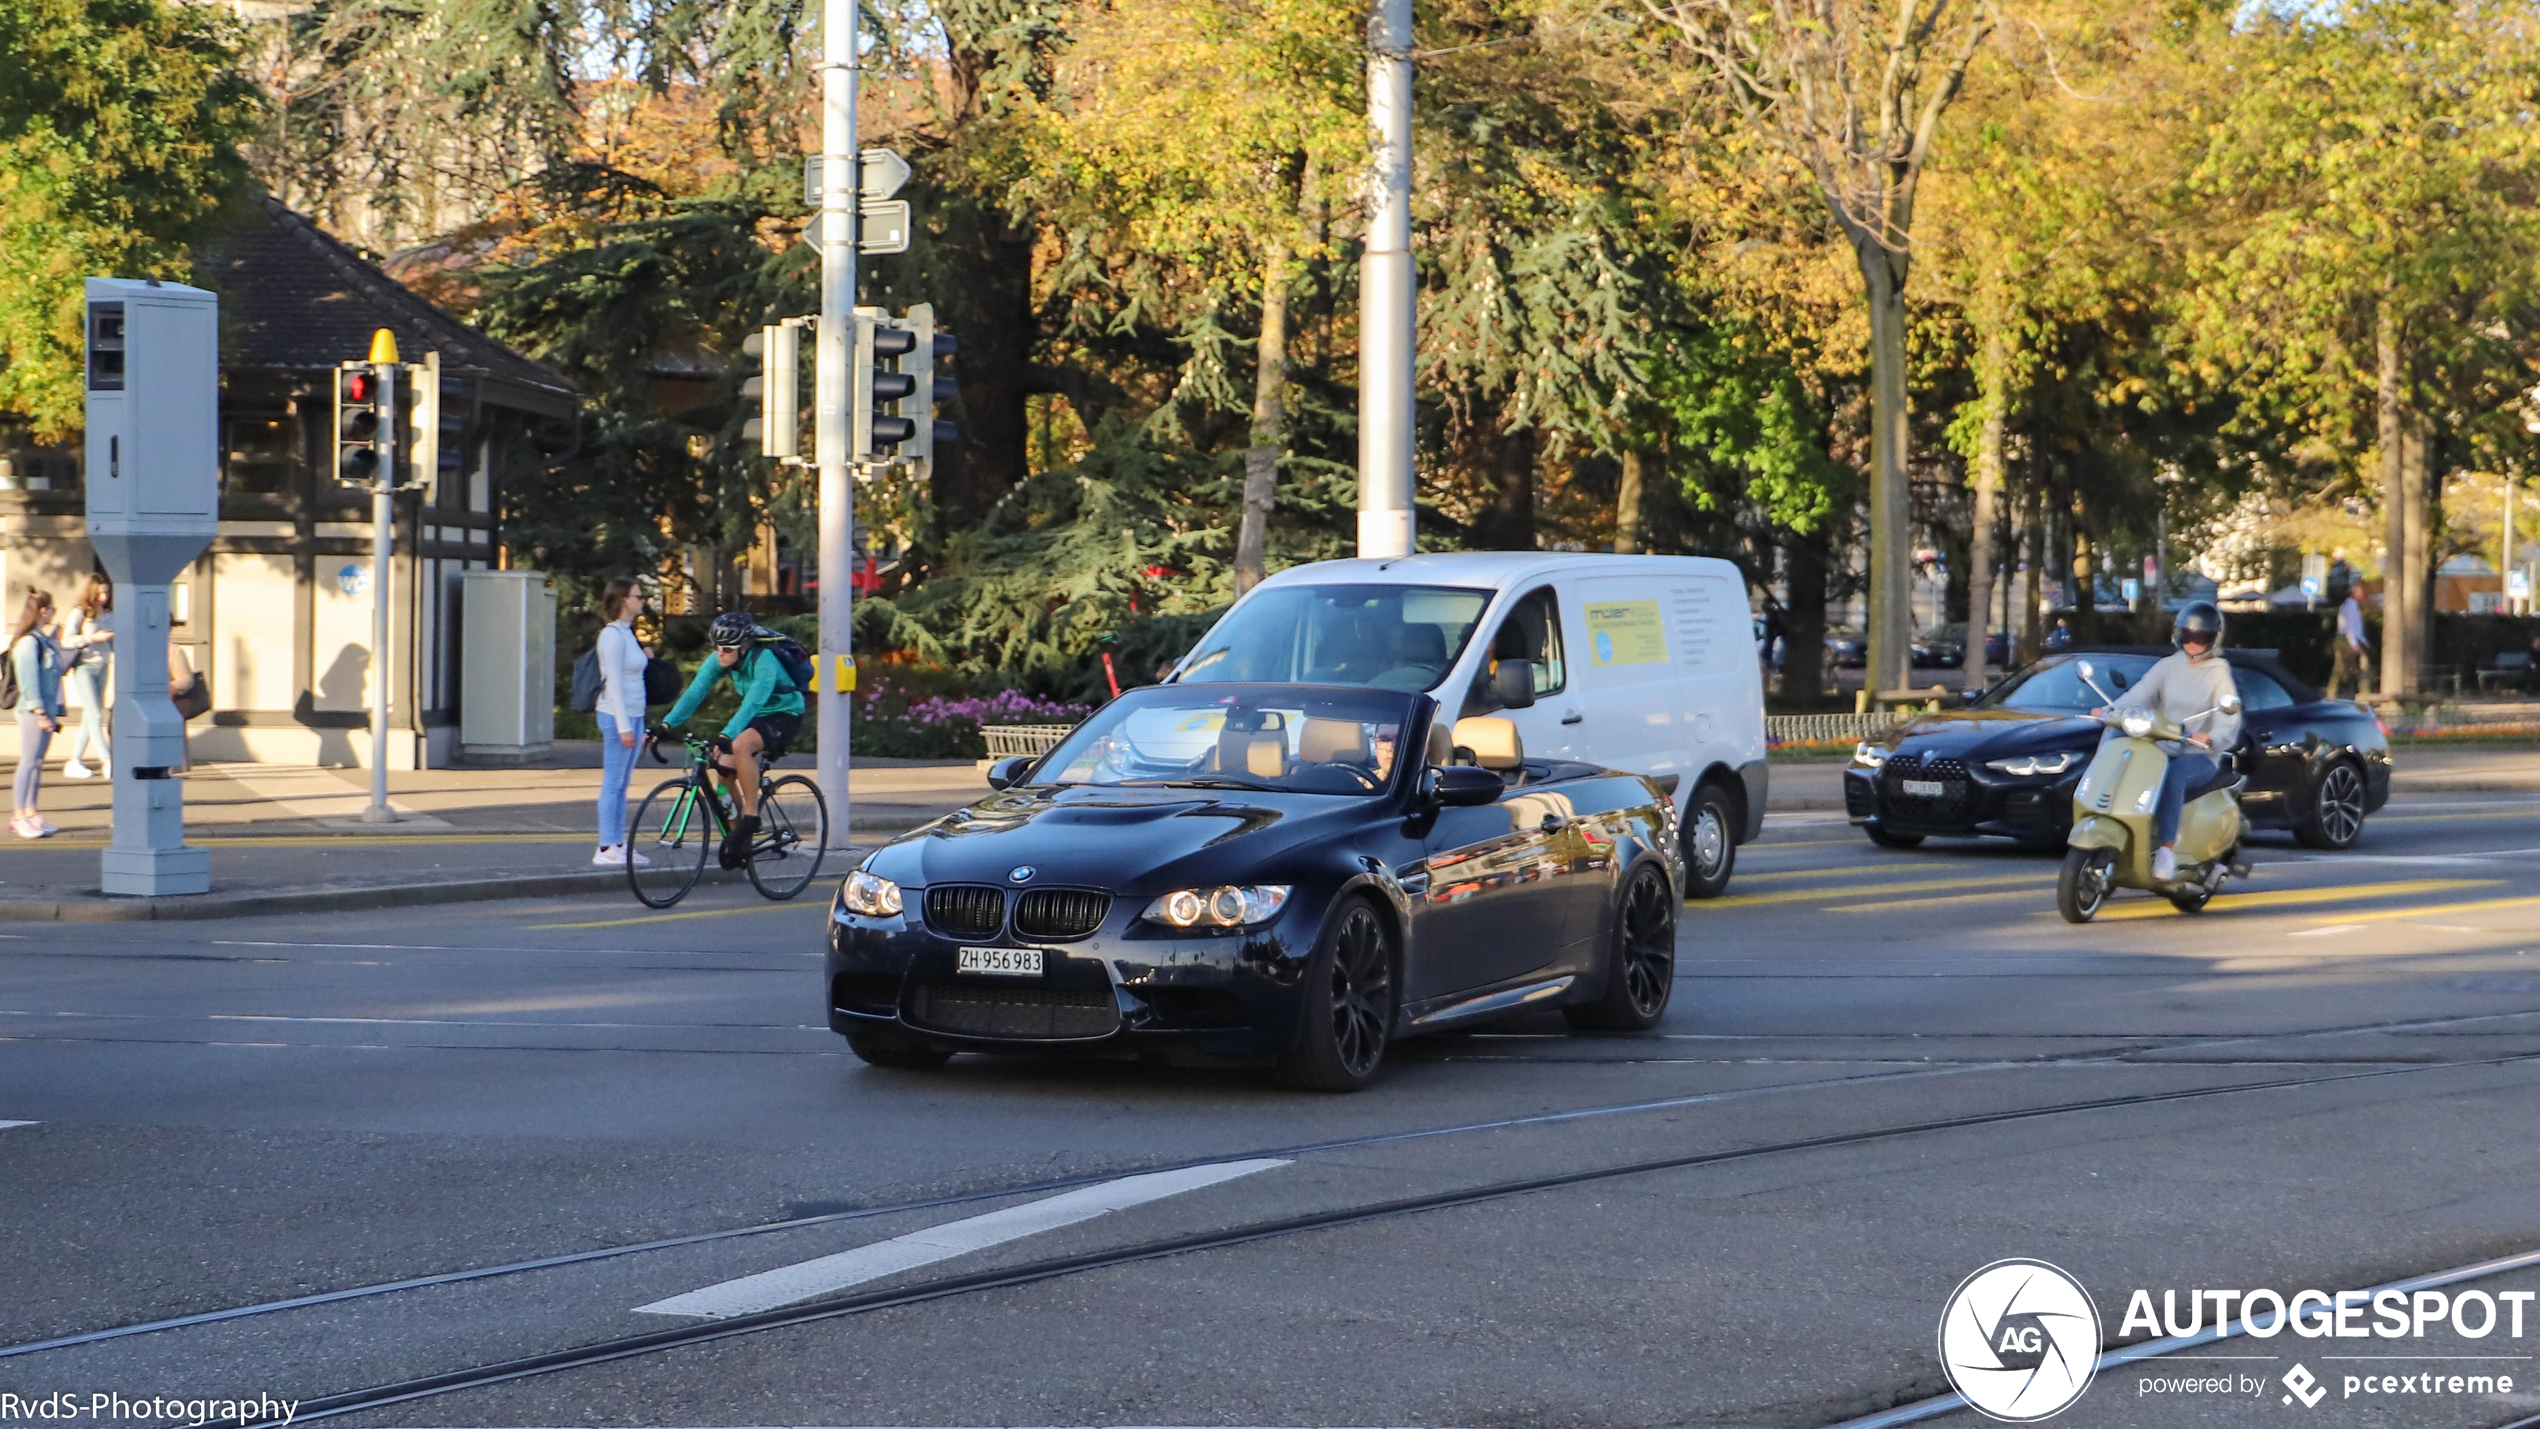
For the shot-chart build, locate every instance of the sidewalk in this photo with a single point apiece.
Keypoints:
(289, 839)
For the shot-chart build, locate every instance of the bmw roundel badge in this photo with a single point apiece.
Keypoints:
(1022, 874)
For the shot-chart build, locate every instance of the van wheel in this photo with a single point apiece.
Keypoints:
(1710, 842)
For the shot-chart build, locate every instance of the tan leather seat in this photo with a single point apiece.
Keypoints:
(1332, 741)
(1493, 740)
(1441, 745)
(1261, 753)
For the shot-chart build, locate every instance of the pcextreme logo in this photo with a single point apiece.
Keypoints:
(2019, 1340)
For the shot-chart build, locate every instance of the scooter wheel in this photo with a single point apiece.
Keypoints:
(2082, 889)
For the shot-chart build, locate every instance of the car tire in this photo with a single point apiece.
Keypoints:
(1640, 972)
(1884, 839)
(1350, 998)
(895, 1047)
(1709, 841)
(2336, 816)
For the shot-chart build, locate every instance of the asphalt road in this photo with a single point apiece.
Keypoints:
(1881, 1072)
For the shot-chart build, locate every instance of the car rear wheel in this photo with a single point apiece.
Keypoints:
(1884, 839)
(895, 1047)
(1710, 842)
(1641, 973)
(2336, 816)
(1349, 1005)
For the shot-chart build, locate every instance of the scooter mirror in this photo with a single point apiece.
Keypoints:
(2088, 671)
(2230, 705)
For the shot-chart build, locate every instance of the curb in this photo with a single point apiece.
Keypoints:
(99, 908)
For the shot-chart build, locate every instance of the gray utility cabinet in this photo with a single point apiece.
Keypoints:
(507, 664)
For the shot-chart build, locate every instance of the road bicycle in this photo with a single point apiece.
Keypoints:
(683, 822)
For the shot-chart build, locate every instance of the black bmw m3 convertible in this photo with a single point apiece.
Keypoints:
(2006, 765)
(1289, 874)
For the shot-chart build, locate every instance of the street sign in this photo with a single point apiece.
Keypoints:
(885, 227)
(882, 173)
(2133, 591)
(2518, 584)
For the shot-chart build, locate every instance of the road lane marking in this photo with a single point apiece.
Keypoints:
(675, 917)
(1888, 904)
(2526, 812)
(1801, 895)
(2282, 897)
(2384, 915)
(5, 1125)
(788, 1284)
(2324, 932)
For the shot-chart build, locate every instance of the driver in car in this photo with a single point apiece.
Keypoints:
(2187, 687)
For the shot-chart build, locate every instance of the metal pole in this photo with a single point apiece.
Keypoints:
(838, 185)
(1386, 287)
(382, 535)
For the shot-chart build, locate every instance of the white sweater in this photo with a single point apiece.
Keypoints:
(2178, 689)
(621, 674)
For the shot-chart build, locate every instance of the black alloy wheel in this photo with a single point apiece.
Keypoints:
(1710, 842)
(1884, 839)
(1349, 1006)
(887, 1046)
(1643, 972)
(2336, 818)
(2082, 889)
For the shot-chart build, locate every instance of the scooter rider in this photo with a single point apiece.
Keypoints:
(2187, 687)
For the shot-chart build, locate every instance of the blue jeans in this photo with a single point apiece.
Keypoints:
(88, 680)
(617, 762)
(2185, 769)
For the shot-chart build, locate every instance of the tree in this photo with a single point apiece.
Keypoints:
(1851, 93)
(120, 122)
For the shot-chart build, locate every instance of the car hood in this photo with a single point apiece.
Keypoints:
(1128, 840)
(1993, 734)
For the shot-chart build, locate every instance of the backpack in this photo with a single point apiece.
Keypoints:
(661, 682)
(789, 653)
(8, 680)
(586, 681)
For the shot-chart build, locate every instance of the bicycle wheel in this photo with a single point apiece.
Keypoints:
(793, 835)
(673, 832)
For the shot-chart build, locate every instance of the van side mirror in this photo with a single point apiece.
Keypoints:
(1512, 685)
(1009, 771)
(1462, 786)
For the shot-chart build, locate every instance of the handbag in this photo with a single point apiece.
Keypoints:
(661, 682)
(193, 701)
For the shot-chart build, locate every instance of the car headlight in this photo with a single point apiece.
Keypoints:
(1223, 907)
(2026, 764)
(2137, 725)
(873, 897)
(1868, 756)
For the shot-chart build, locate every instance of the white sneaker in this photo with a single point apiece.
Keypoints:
(2164, 864)
(25, 830)
(76, 770)
(47, 825)
(610, 856)
(639, 860)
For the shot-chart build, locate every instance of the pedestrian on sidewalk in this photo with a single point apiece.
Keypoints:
(2346, 668)
(621, 714)
(87, 647)
(36, 660)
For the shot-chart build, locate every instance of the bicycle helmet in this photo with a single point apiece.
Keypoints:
(731, 630)
(2198, 617)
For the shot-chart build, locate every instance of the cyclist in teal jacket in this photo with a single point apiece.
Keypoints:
(771, 713)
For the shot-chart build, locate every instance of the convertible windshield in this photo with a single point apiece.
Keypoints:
(2054, 685)
(1287, 738)
(1395, 637)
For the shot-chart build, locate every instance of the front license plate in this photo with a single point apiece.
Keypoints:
(1001, 962)
(1923, 788)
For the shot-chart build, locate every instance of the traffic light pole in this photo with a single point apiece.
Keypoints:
(1387, 285)
(839, 182)
(382, 535)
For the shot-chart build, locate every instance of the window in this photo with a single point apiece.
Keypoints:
(1395, 637)
(2258, 690)
(1531, 631)
(257, 456)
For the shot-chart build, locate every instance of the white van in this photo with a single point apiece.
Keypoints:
(1639, 663)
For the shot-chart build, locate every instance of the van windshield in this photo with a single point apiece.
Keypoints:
(1394, 637)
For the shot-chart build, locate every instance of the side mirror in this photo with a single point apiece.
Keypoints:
(2088, 670)
(1463, 786)
(2230, 705)
(1009, 771)
(1512, 685)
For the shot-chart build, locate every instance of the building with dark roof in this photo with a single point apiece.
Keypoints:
(277, 613)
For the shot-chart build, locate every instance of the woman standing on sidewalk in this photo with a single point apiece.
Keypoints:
(37, 663)
(87, 638)
(621, 714)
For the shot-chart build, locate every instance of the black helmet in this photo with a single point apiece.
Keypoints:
(2198, 617)
(731, 630)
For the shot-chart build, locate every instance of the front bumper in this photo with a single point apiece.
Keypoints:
(1978, 801)
(1127, 987)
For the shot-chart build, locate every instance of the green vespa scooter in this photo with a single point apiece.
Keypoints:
(2111, 843)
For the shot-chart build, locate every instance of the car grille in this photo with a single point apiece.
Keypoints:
(1950, 773)
(1060, 912)
(1031, 1012)
(966, 910)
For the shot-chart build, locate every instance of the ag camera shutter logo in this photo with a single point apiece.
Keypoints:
(2019, 1340)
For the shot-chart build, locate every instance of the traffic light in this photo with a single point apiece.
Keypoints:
(931, 347)
(778, 387)
(419, 454)
(882, 343)
(357, 392)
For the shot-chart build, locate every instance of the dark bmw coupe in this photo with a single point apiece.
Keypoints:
(1293, 874)
(2006, 764)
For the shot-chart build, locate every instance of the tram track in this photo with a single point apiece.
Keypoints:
(486, 1375)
